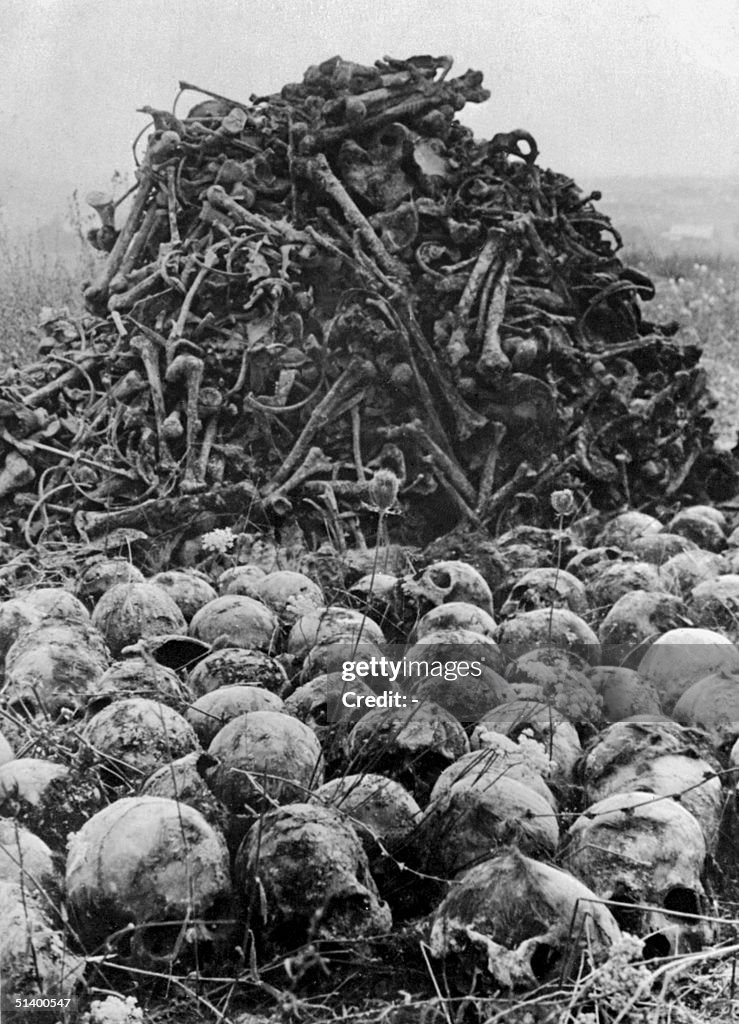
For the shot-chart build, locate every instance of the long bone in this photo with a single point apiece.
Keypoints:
(457, 347)
(149, 354)
(120, 280)
(98, 290)
(318, 170)
(209, 410)
(189, 368)
(347, 386)
(315, 462)
(493, 362)
(446, 463)
(487, 479)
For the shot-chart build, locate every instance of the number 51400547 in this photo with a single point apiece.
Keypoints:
(41, 1003)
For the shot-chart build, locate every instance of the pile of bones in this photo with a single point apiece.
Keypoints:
(311, 286)
(335, 306)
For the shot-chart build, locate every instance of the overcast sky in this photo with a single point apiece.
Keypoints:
(606, 86)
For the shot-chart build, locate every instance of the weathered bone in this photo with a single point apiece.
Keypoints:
(315, 462)
(457, 347)
(98, 290)
(189, 368)
(211, 404)
(318, 170)
(447, 464)
(120, 280)
(493, 362)
(178, 327)
(487, 480)
(347, 386)
(150, 357)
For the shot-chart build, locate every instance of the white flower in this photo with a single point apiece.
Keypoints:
(219, 541)
(114, 1010)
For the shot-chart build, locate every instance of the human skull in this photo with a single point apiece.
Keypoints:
(209, 713)
(520, 921)
(662, 758)
(137, 676)
(554, 626)
(129, 611)
(556, 676)
(412, 745)
(184, 779)
(449, 581)
(619, 578)
(102, 574)
(712, 704)
(546, 588)
(188, 589)
(325, 625)
(385, 817)
(455, 615)
(658, 548)
(634, 621)
(714, 604)
(687, 569)
(680, 657)
(638, 848)
(623, 692)
(25, 860)
(54, 666)
(242, 665)
(500, 757)
(242, 621)
(477, 815)
(303, 870)
(587, 565)
(134, 736)
(700, 525)
(154, 862)
(375, 593)
(264, 757)
(289, 594)
(627, 526)
(319, 703)
(550, 729)
(27, 927)
(241, 579)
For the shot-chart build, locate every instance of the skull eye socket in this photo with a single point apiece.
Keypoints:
(681, 900)
(441, 578)
(319, 713)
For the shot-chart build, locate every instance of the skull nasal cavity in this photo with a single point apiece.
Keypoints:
(542, 960)
(681, 900)
(656, 945)
(441, 578)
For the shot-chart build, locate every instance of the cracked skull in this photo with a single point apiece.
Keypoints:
(519, 920)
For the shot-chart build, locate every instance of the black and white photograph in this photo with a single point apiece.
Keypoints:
(369, 511)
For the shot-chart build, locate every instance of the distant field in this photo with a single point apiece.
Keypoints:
(32, 277)
(703, 295)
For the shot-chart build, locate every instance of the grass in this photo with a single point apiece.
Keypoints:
(702, 294)
(31, 277)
